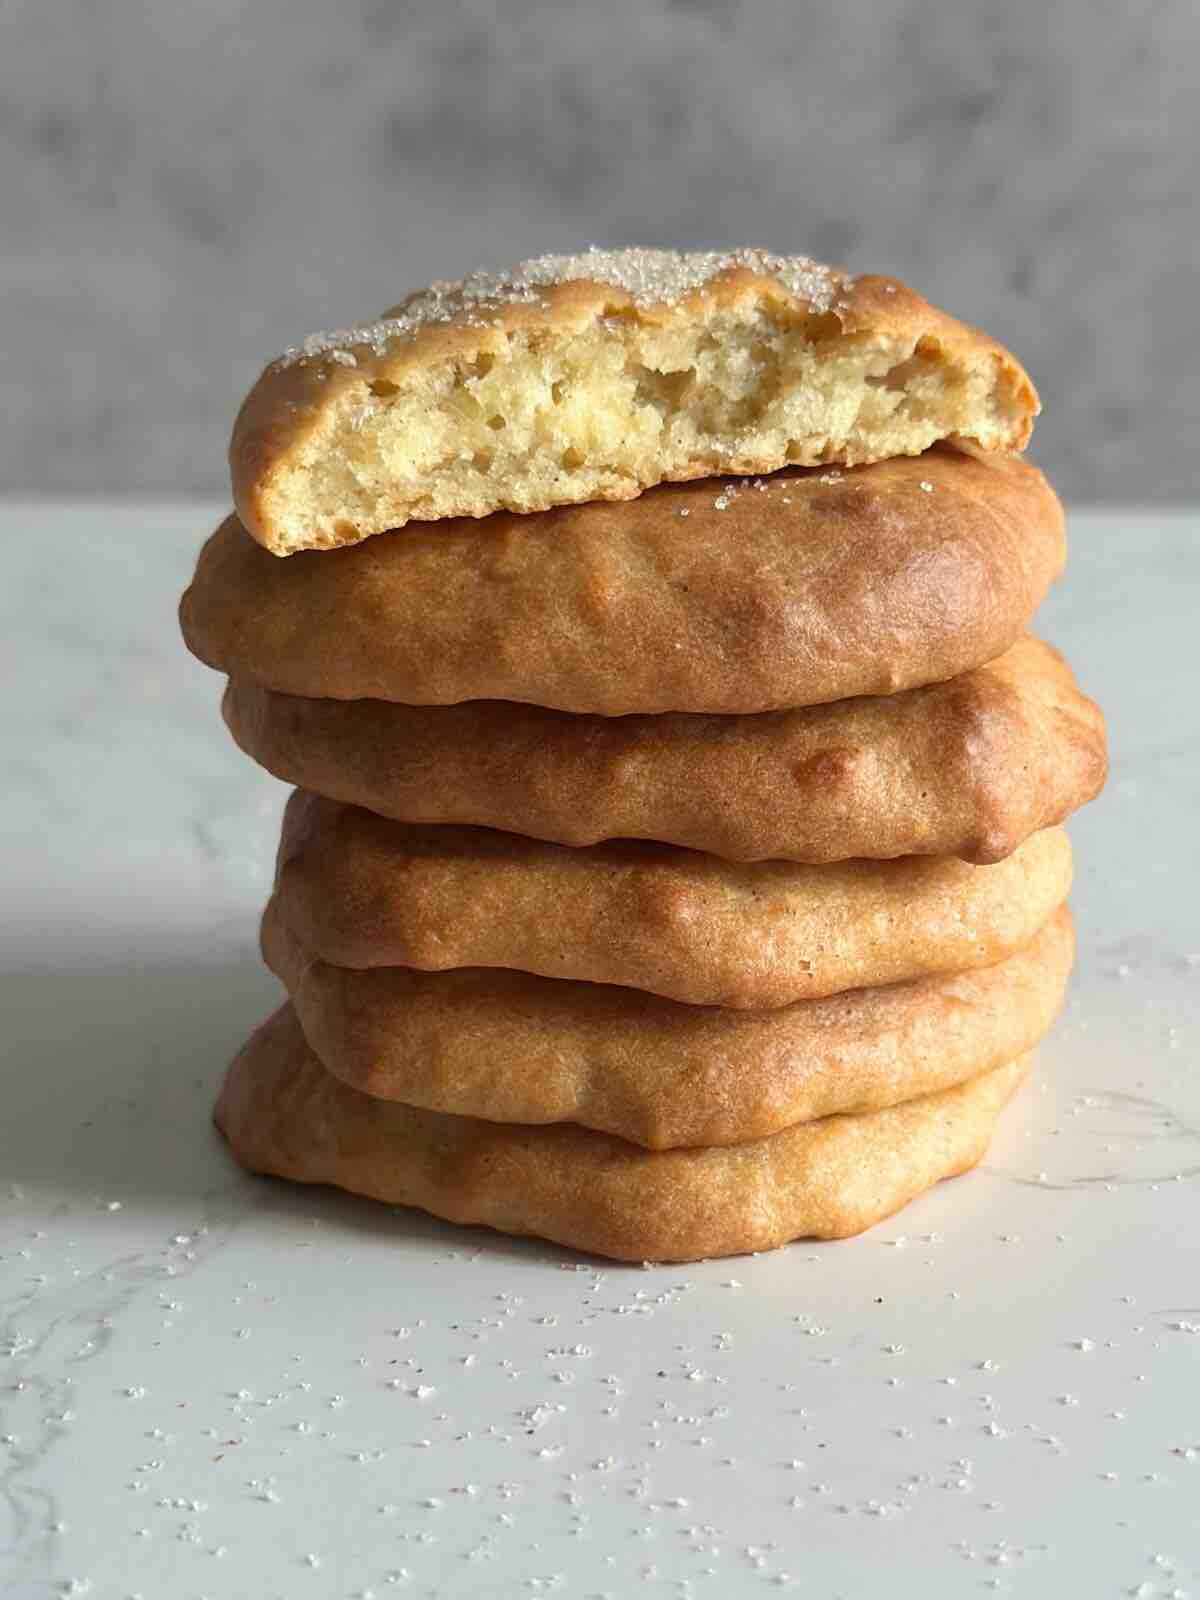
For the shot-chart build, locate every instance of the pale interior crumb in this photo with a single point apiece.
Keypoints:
(553, 418)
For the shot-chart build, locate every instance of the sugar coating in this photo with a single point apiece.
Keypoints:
(649, 277)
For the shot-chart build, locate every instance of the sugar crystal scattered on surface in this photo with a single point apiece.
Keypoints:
(648, 277)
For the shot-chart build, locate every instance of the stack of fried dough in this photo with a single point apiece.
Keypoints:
(675, 866)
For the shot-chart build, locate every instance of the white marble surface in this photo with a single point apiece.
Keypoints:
(222, 1387)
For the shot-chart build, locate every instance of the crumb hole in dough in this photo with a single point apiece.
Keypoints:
(919, 364)
(662, 390)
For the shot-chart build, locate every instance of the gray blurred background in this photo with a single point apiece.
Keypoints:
(187, 189)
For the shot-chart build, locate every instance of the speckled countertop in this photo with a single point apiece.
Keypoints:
(214, 1386)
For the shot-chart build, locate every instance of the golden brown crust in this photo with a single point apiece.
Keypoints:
(970, 767)
(308, 407)
(510, 1047)
(814, 587)
(282, 1113)
(360, 891)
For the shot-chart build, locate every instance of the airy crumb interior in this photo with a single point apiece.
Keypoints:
(546, 418)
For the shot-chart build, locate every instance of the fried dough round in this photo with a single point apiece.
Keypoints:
(361, 891)
(813, 587)
(510, 1047)
(970, 767)
(283, 1114)
(591, 377)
